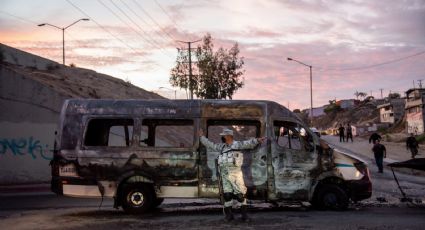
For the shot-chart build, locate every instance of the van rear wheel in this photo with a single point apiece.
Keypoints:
(331, 197)
(137, 198)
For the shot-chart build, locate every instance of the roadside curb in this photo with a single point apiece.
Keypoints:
(25, 190)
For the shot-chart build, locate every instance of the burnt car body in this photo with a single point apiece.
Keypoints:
(142, 151)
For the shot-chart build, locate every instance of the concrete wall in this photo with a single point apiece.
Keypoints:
(22, 58)
(28, 118)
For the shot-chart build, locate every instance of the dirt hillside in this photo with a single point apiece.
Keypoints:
(361, 114)
(69, 81)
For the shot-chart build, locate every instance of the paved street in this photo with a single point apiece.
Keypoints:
(48, 211)
(51, 212)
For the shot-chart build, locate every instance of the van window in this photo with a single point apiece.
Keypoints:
(177, 133)
(109, 132)
(242, 129)
(291, 135)
(287, 135)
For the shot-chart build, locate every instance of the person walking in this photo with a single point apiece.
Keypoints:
(341, 130)
(349, 132)
(230, 162)
(374, 137)
(412, 144)
(380, 152)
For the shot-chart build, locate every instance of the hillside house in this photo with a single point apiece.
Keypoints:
(392, 110)
(414, 110)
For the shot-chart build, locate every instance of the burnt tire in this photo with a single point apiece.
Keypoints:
(137, 198)
(157, 202)
(331, 197)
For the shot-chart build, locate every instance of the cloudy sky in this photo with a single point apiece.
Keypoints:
(352, 45)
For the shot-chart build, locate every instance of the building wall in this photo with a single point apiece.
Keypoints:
(28, 119)
(415, 120)
(386, 115)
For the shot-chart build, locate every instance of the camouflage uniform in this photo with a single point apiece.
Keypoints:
(230, 162)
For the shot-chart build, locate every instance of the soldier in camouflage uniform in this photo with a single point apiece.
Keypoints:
(230, 162)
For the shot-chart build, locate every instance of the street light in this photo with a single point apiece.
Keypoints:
(311, 86)
(175, 91)
(63, 33)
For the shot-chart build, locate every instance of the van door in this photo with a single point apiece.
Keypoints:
(254, 165)
(169, 155)
(294, 158)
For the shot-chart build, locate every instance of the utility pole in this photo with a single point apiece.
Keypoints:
(420, 83)
(189, 49)
(381, 93)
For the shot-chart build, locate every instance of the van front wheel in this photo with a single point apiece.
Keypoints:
(331, 197)
(137, 198)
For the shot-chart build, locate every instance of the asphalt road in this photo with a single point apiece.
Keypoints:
(52, 212)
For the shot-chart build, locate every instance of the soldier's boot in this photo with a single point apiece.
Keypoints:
(244, 212)
(228, 214)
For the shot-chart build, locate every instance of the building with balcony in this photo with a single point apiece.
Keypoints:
(392, 110)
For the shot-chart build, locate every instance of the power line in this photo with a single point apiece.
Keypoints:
(123, 21)
(153, 42)
(153, 20)
(169, 16)
(20, 18)
(375, 65)
(144, 21)
(106, 30)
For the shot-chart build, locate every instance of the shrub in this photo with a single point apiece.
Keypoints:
(52, 66)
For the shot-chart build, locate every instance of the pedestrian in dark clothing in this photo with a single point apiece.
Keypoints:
(380, 153)
(413, 145)
(349, 132)
(341, 130)
(374, 137)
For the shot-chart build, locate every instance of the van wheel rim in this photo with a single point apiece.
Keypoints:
(136, 198)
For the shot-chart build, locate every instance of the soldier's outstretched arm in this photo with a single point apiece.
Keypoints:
(207, 143)
(251, 143)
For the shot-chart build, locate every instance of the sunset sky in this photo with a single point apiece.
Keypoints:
(352, 45)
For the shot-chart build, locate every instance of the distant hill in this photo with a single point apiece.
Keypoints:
(361, 114)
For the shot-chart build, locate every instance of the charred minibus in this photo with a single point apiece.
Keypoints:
(142, 151)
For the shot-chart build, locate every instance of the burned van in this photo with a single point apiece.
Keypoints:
(142, 151)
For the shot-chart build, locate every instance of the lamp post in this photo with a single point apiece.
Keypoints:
(63, 33)
(311, 87)
(175, 91)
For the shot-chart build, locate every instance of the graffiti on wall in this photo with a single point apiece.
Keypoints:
(27, 146)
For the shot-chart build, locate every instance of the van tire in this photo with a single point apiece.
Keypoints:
(137, 198)
(330, 197)
(157, 202)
